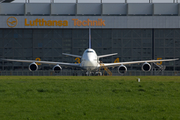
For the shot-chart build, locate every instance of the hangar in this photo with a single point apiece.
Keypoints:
(43, 31)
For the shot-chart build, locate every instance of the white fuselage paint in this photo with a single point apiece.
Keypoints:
(89, 60)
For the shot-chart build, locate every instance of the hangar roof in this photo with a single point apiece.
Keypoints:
(89, 9)
(6, 1)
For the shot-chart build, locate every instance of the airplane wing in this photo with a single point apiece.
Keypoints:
(101, 56)
(136, 62)
(45, 62)
(71, 55)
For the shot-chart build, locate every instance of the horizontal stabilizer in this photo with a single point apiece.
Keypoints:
(71, 55)
(101, 56)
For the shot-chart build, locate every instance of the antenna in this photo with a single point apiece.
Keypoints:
(89, 37)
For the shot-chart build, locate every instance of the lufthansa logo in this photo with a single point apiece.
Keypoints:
(12, 22)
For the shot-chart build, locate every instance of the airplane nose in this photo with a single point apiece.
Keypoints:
(90, 61)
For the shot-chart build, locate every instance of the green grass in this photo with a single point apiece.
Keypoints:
(92, 98)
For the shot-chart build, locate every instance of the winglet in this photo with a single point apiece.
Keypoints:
(89, 37)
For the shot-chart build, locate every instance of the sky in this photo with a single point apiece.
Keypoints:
(95, 1)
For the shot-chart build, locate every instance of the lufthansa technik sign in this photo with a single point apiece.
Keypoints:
(121, 22)
(68, 22)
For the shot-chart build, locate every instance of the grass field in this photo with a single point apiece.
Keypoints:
(92, 98)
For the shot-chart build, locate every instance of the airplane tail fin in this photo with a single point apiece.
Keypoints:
(89, 37)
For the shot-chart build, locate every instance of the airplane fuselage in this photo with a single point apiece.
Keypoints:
(89, 60)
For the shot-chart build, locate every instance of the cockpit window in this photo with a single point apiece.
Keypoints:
(89, 51)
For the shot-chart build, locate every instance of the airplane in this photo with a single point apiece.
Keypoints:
(90, 62)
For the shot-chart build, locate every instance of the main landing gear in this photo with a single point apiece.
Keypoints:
(92, 74)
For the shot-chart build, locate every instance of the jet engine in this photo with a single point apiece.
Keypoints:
(33, 67)
(122, 69)
(146, 67)
(57, 68)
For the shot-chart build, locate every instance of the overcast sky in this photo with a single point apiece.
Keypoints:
(96, 1)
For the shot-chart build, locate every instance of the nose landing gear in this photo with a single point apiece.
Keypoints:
(98, 73)
(92, 74)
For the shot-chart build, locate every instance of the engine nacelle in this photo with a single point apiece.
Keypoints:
(33, 67)
(146, 67)
(122, 69)
(57, 68)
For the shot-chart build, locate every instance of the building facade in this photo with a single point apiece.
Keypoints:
(43, 31)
